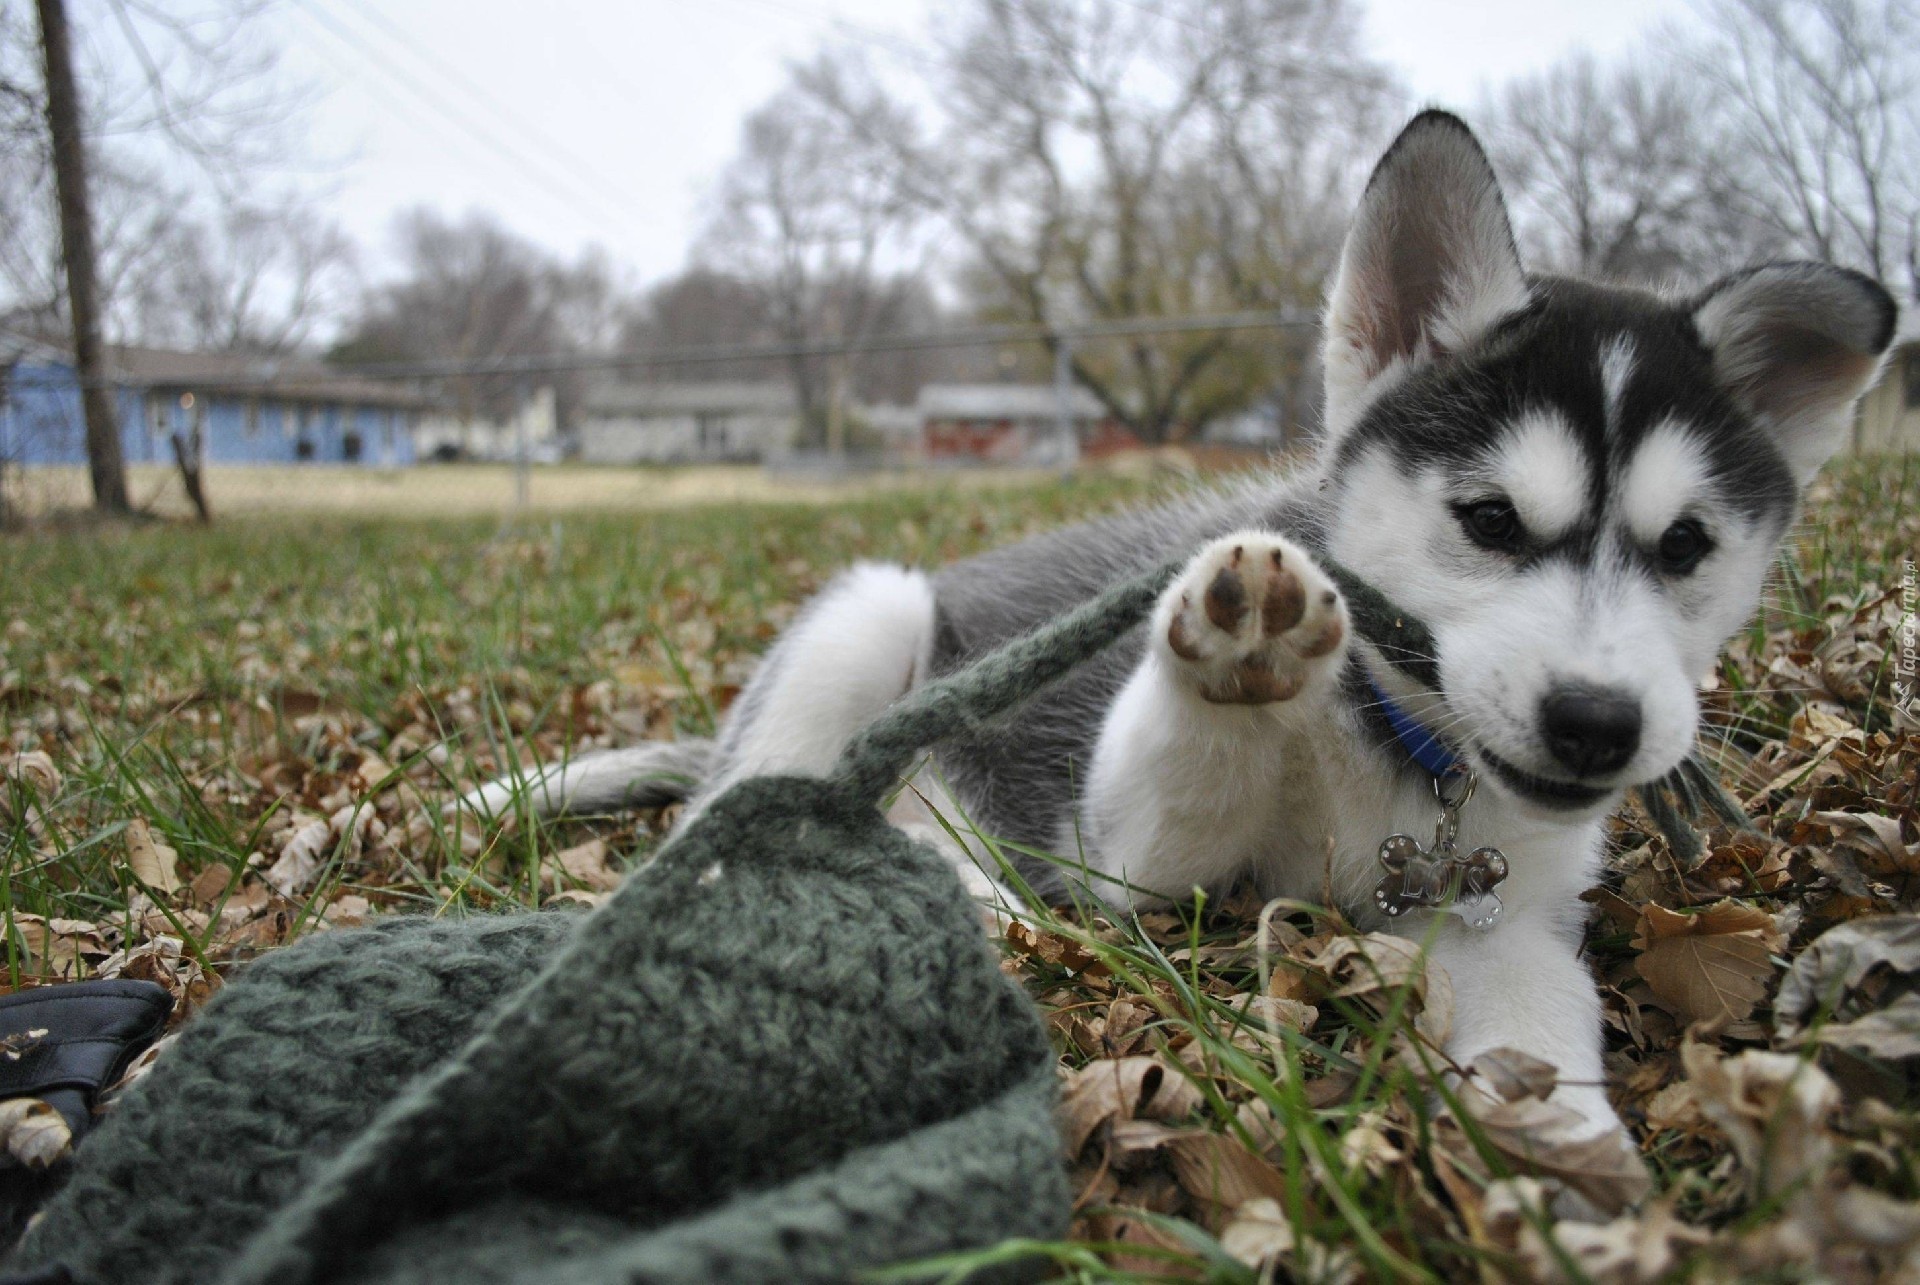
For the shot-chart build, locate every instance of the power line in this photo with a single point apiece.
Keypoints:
(582, 168)
(457, 116)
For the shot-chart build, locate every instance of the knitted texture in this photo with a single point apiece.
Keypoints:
(784, 1050)
(267, 1083)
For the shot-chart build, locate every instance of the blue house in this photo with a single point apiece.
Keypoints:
(249, 410)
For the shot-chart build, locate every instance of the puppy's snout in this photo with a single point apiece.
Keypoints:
(1590, 730)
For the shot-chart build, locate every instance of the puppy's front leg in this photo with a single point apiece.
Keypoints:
(1184, 783)
(1524, 986)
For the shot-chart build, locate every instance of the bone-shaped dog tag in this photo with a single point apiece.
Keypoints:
(1480, 872)
(1417, 878)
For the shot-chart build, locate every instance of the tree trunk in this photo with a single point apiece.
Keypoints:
(104, 460)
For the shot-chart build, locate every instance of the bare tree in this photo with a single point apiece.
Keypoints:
(257, 280)
(1826, 122)
(474, 291)
(1622, 171)
(68, 150)
(187, 82)
(1101, 161)
(704, 307)
(809, 220)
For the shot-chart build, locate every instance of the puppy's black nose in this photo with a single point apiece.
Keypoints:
(1590, 730)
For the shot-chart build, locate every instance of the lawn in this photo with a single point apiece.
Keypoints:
(218, 740)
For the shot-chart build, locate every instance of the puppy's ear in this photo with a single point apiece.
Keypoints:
(1428, 266)
(1796, 344)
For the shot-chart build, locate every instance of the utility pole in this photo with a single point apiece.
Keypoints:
(522, 448)
(104, 460)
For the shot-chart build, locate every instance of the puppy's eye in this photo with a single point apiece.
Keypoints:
(1682, 545)
(1492, 524)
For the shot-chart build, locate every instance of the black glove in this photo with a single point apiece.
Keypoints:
(92, 1031)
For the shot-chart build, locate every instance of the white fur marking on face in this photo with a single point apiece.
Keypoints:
(1616, 368)
(1666, 473)
(1545, 473)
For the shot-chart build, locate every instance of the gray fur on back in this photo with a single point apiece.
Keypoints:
(1016, 777)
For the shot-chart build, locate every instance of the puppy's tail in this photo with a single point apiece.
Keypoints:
(640, 776)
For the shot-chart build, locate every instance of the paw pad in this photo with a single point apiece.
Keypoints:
(1250, 615)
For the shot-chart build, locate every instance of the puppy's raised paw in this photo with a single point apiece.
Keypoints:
(1252, 620)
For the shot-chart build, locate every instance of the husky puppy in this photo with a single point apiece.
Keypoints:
(1577, 487)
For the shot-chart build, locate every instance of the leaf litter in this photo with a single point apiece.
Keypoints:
(211, 751)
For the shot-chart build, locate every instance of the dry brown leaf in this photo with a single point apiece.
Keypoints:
(1128, 1140)
(135, 1072)
(1892, 1033)
(1257, 1118)
(1879, 835)
(209, 884)
(34, 768)
(1674, 1107)
(152, 862)
(308, 845)
(305, 848)
(1371, 964)
(1126, 1088)
(1865, 974)
(1544, 1139)
(163, 962)
(348, 911)
(33, 1133)
(1052, 948)
(1376, 968)
(1259, 1233)
(587, 865)
(1365, 1145)
(1714, 966)
(1125, 1027)
(1119, 1229)
(1627, 1251)
(1217, 1169)
(1776, 1109)
(1508, 1074)
(372, 773)
(1638, 1250)
(60, 944)
(1773, 1107)
(577, 897)
(1268, 1013)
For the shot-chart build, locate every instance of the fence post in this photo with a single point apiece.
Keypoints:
(1063, 403)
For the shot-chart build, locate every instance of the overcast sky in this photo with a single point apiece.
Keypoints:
(603, 123)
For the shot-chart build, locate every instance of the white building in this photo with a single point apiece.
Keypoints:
(446, 435)
(623, 423)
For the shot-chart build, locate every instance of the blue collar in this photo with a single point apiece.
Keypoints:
(1426, 749)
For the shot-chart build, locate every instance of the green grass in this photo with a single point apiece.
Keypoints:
(223, 684)
(210, 680)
